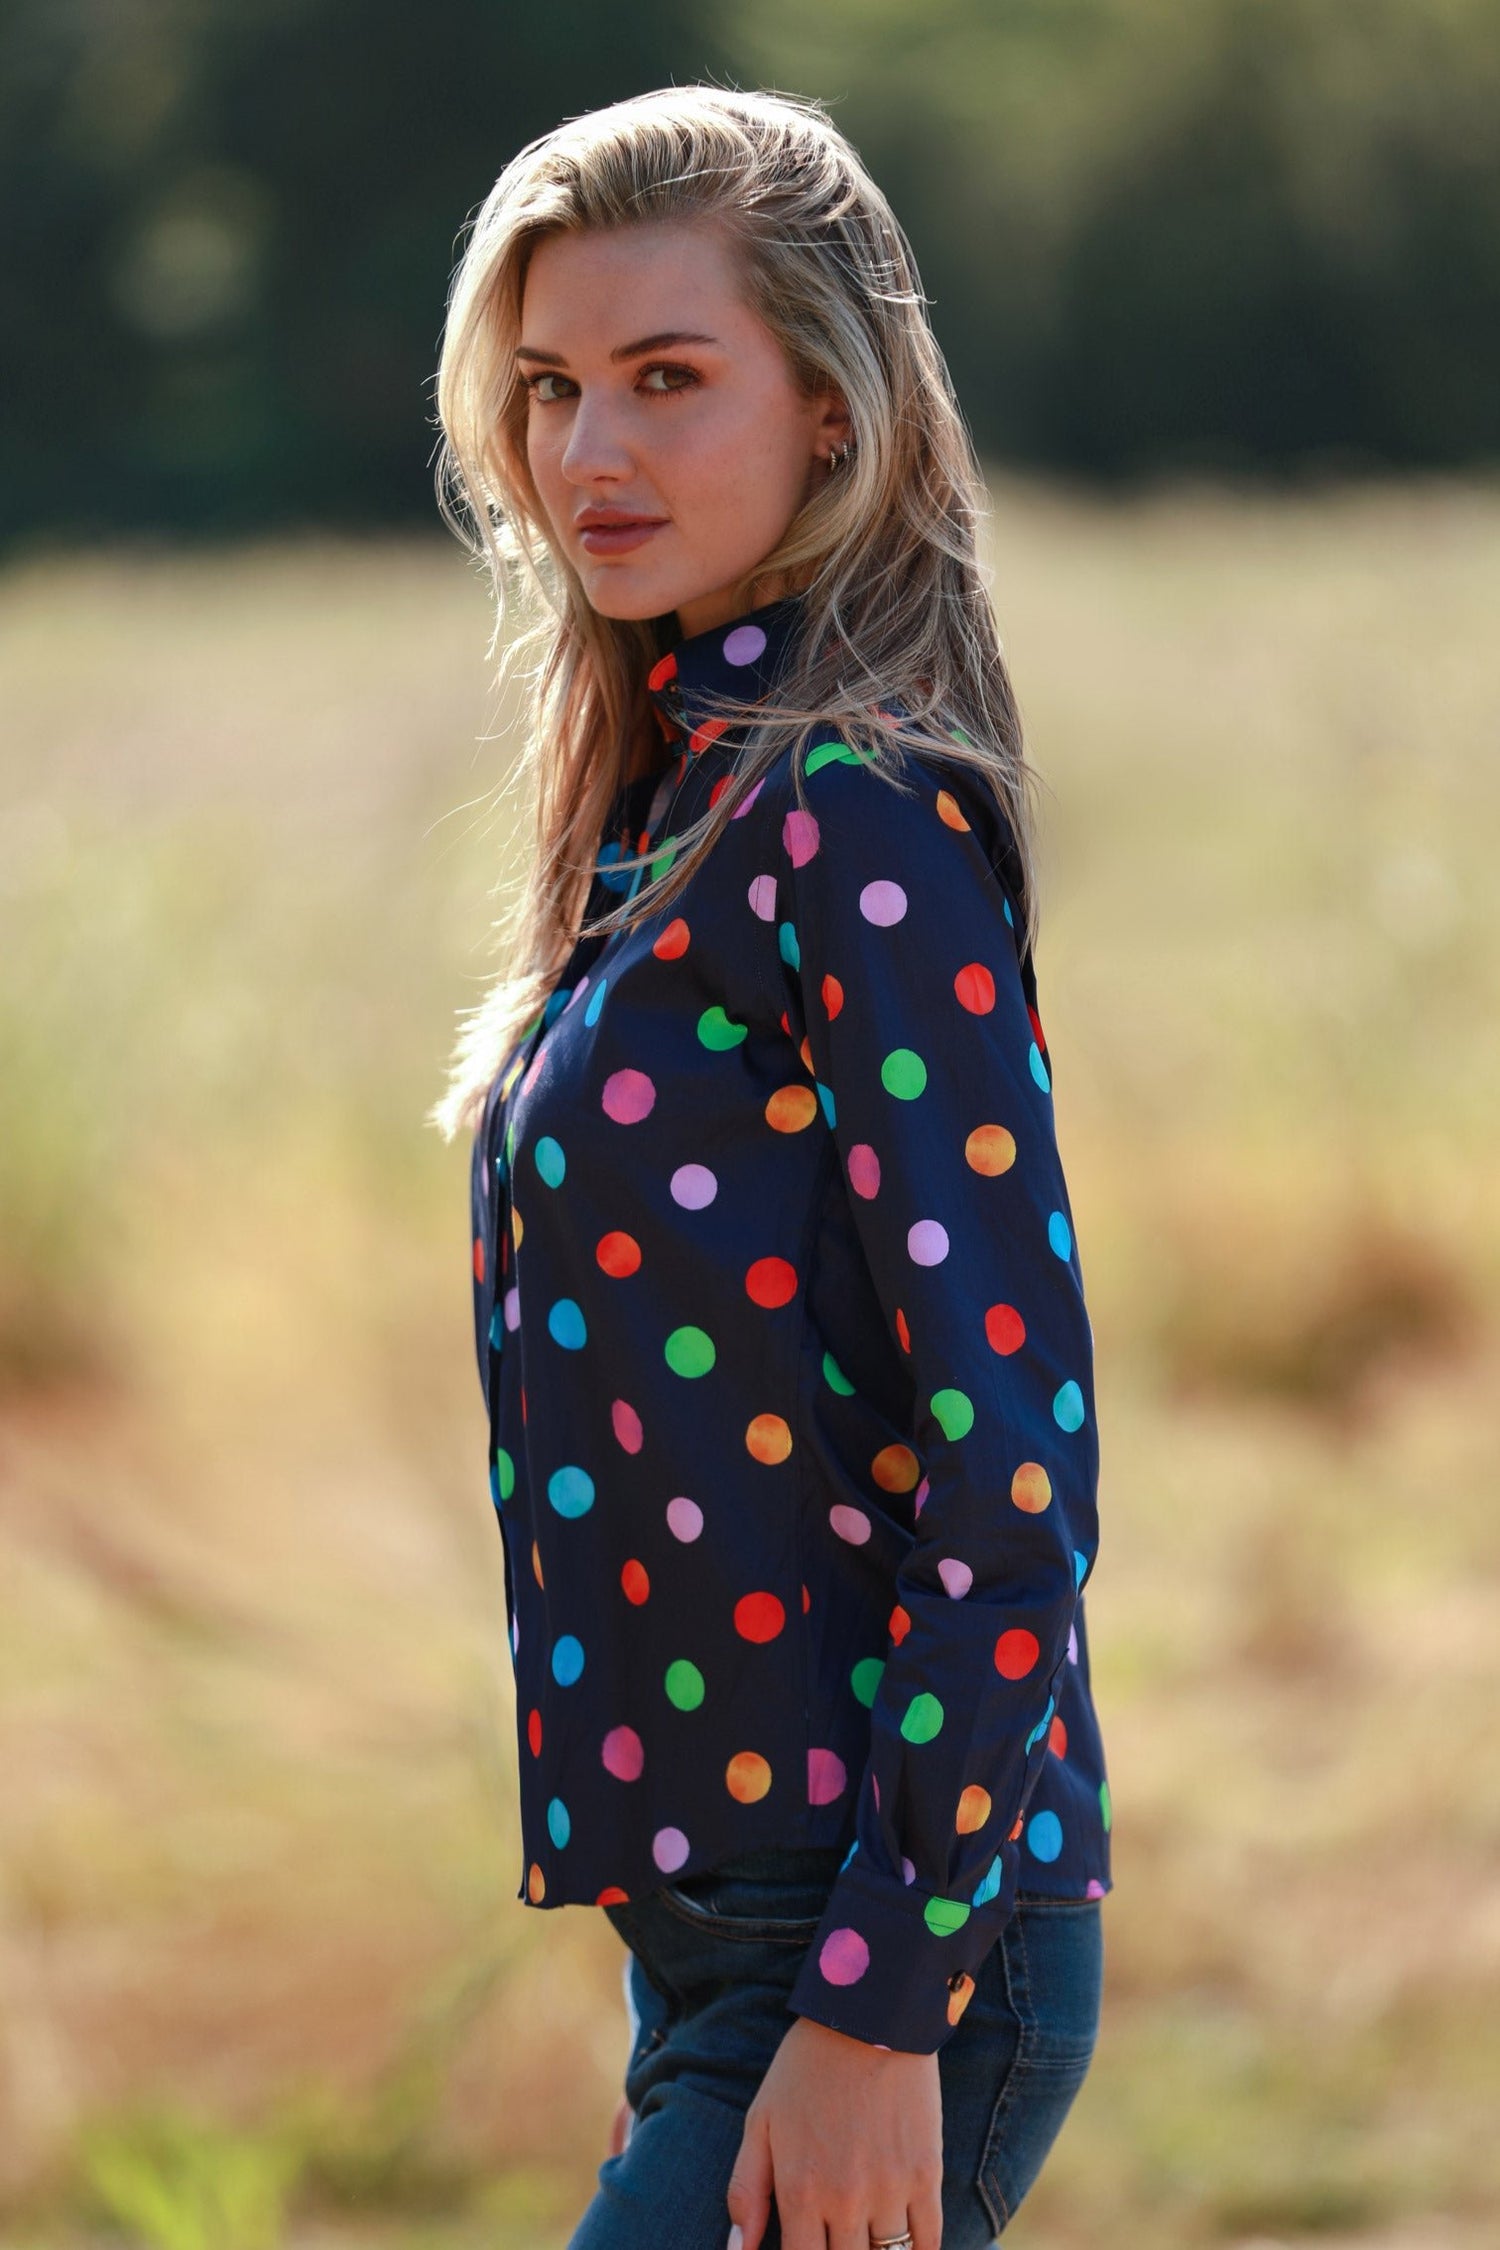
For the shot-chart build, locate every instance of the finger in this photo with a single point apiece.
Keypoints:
(924, 2217)
(750, 2183)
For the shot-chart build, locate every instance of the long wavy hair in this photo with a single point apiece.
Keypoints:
(897, 646)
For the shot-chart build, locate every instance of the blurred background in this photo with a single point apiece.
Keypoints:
(1219, 281)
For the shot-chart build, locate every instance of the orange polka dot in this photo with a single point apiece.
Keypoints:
(948, 812)
(990, 1149)
(619, 1255)
(960, 1993)
(479, 1257)
(536, 1564)
(517, 1226)
(791, 1108)
(673, 942)
(974, 1807)
(1031, 1488)
(534, 1732)
(536, 1884)
(975, 988)
(1016, 1653)
(833, 996)
(758, 1617)
(1057, 1739)
(806, 1601)
(635, 1579)
(771, 1282)
(895, 1468)
(1015, 1832)
(747, 1776)
(768, 1438)
(1005, 1329)
(805, 1055)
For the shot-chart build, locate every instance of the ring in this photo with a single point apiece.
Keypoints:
(891, 2241)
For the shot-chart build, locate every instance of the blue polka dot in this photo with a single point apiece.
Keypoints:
(1067, 1408)
(1080, 1567)
(1039, 1068)
(1008, 914)
(825, 1096)
(571, 1491)
(990, 1887)
(595, 1002)
(567, 1661)
(1043, 1723)
(557, 1000)
(565, 1325)
(550, 1161)
(497, 1329)
(559, 1826)
(789, 949)
(1044, 1836)
(1060, 1235)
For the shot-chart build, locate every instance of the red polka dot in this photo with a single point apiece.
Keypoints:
(664, 669)
(534, 1733)
(1036, 1025)
(898, 1625)
(619, 1255)
(636, 1582)
(758, 1617)
(771, 1282)
(710, 731)
(806, 1601)
(902, 1331)
(833, 997)
(975, 988)
(612, 1895)
(1005, 1329)
(673, 942)
(479, 1257)
(1057, 1739)
(1016, 1653)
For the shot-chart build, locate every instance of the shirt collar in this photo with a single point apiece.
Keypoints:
(741, 658)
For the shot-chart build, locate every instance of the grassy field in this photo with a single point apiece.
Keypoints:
(264, 1977)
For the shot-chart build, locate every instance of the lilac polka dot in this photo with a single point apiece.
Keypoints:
(850, 1523)
(844, 1957)
(623, 1754)
(744, 644)
(669, 1848)
(956, 1576)
(748, 800)
(1072, 1644)
(827, 1776)
(882, 903)
(628, 1096)
(694, 1187)
(864, 1170)
(577, 993)
(627, 1426)
(908, 1871)
(684, 1519)
(800, 835)
(512, 1301)
(927, 1243)
(919, 1499)
(1095, 1888)
(763, 898)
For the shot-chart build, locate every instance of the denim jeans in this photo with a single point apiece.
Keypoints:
(709, 1964)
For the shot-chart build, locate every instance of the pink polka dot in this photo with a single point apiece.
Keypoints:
(669, 1848)
(1095, 1888)
(763, 898)
(882, 903)
(908, 1871)
(684, 1520)
(850, 1523)
(799, 833)
(748, 800)
(927, 1243)
(628, 1096)
(956, 1576)
(844, 1957)
(864, 1170)
(694, 1187)
(623, 1754)
(919, 1499)
(627, 1426)
(744, 644)
(827, 1776)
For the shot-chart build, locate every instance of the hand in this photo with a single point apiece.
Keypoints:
(847, 2136)
(620, 2128)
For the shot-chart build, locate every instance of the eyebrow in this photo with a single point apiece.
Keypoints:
(656, 343)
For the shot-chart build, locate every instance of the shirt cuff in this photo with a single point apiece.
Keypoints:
(893, 1964)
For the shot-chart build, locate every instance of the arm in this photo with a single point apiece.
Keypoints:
(914, 1015)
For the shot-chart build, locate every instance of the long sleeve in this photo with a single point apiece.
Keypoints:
(914, 1015)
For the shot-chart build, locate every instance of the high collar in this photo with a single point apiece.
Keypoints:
(741, 658)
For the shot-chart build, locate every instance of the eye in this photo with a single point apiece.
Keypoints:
(548, 375)
(689, 376)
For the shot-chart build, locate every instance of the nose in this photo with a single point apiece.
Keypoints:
(596, 447)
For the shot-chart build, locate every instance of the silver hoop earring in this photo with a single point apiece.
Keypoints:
(838, 456)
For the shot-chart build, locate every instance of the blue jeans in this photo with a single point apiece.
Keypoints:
(709, 1965)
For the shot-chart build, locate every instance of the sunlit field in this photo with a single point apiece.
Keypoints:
(264, 1974)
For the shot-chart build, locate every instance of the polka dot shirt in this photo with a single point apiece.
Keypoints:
(781, 1327)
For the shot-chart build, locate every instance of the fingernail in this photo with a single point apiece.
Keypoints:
(736, 2237)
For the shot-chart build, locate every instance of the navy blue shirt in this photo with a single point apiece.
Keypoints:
(781, 1326)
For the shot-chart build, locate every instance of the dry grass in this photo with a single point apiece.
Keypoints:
(264, 1975)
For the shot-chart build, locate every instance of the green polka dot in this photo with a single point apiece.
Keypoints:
(924, 1716)
(664, 858)
(903, 1073)
(684, 1684)
(945, 1915)
(1105, 1809)
(954, 1411)
(865, 1678)
(835, 1378)
(505, 1471)
(690, 1352)
(550, 1161)
(830, 754)
(717, 1033)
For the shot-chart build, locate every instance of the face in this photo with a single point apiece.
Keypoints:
(667, 437)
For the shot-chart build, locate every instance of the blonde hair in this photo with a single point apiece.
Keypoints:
(884, 553)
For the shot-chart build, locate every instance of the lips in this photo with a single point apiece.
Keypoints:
(616, 535)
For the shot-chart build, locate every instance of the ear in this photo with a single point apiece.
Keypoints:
(833, 427)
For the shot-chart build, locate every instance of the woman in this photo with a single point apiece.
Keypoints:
(778, 1313)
